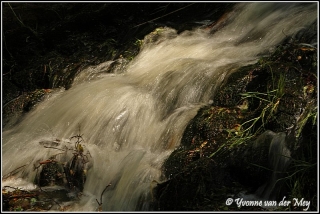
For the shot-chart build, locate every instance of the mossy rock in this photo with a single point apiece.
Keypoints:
(279, 94)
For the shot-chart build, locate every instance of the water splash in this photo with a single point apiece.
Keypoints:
(132, 120)
(279, 159)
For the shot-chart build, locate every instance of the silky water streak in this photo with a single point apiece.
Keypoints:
(132, 121)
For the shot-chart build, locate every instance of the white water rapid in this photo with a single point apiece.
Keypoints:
(132, 121)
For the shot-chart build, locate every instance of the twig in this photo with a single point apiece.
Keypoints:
(14, 99)
(22, 24)
(15, 188)
(5, 44)
(100, 203)
(23, 196)
(47, 161)
(13, 172)
(163, 15)
(49, 147)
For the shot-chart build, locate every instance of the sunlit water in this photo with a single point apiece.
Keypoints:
(132, 120)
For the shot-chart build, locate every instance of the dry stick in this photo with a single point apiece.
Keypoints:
(13, 172)
(10, 101)
(102, 194)
(163, 15)
(49, 147)
(15, 188)
(23, 196)
(47, 161)
(34, 32)
(5, 44)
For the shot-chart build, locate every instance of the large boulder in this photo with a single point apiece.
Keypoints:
(254, 137)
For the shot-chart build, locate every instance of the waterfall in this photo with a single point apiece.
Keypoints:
(132, 120)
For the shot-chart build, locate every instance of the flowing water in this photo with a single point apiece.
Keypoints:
(132, 120)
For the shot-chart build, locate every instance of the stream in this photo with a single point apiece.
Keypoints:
(131, 120)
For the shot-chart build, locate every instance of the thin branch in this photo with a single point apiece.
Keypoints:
(163, 15)
(22, 24)
(13, 172)
(16, 188)
(100, 203)
(49, 147)
(5, 44)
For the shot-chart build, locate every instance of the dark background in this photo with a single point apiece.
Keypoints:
(46, 44)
